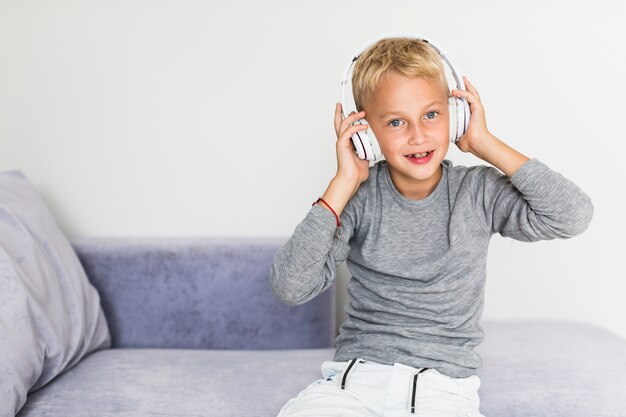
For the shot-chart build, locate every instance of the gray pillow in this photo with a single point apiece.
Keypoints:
(50, 315)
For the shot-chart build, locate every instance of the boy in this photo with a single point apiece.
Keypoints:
(414, 230)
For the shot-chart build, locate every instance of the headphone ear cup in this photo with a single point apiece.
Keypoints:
(453, 112)
(374, 145)
(466, 115)
(459, 117)
(365, 143)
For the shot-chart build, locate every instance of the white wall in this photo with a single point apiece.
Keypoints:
(193, 118)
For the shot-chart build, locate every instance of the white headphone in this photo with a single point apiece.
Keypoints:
(365, 143)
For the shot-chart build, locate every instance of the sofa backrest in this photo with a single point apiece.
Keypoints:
(200, 293)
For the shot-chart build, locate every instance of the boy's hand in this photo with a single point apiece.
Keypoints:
(349, 166)
(480, 142)
(477, 135)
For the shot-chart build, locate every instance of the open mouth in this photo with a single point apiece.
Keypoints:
(420, 158)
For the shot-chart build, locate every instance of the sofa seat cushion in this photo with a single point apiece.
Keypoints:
(551, 368)
(179, 382)
(531, 368)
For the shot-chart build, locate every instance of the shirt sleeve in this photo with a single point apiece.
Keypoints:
(536, 203)
(306, 264)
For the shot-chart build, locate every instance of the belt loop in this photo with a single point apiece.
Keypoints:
(412, 410)
(345, 374)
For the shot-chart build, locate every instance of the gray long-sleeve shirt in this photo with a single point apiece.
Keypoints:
(419, 267)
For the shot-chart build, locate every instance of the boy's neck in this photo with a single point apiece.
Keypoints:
(415, 189)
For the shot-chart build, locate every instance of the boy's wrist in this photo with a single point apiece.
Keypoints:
(481, 149)
(499, 154)
(345, 184)
(338, 193)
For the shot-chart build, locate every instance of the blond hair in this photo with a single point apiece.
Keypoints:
(408, 56)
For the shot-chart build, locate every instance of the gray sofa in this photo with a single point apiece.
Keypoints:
(196, 331)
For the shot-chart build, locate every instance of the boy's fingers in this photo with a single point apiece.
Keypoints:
(337, 116)
(342, 124)
(470, 87)
(353, 127)
(354, 116)
(471, 99)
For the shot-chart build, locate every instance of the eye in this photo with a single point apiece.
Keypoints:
(394, 120)
(433, 113)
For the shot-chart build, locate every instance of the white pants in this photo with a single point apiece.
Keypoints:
(363, 388)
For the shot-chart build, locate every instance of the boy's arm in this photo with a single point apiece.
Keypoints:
(535, 203)
(544, 204)
(305, 265)
(530, 202)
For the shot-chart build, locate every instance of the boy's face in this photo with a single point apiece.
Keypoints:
(409, 115)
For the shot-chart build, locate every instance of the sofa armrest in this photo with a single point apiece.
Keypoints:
(200, 293)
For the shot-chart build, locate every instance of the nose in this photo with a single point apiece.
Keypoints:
(417, 135)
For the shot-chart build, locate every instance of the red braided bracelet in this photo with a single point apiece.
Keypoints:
(331, 209)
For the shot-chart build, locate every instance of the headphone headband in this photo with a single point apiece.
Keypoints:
(348, 71)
